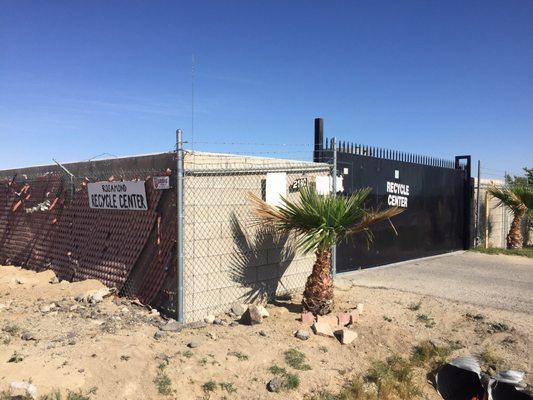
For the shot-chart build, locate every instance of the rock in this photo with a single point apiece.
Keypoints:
(437, 343)
(275, 384)
(212, 335)
(238, 309)
(301, 334)
(52, 278)
(162, 357)
(262, 333)
(154, 313)
(344, 319)
(323, 329)
(172, 326)
(307, 318)
(328, 319)
(346, 336)
(193, 344)
(209, 319)
(20, 281)
(47, 308)
(73, 307)
(342, 284)
(217, 321)
(27, 335)
(195, 325)
(125, 310)
(498, 327)
(94, 296)
(233, 323)
(22, 390)
(252, 316)
(159, 334)
(263, 311)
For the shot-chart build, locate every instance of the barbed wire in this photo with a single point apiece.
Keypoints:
(252, 144)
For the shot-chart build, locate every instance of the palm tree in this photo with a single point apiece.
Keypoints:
(319, 222)
(519, 198)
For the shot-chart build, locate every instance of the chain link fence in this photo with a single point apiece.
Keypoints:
(228, 258)
(493, 221)
(46, 223)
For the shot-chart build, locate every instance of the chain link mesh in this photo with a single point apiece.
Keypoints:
(228, 257)
(46, 223)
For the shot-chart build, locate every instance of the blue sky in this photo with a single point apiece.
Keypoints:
(442, 78)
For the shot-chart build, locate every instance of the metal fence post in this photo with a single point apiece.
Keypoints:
(179, 222)
(478, 205)
(334, 184)
(71, 189)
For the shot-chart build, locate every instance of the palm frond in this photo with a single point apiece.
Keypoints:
(517, 198)
(320, 221)
(525, 194)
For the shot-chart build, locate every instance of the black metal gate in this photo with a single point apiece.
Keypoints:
(434, 192)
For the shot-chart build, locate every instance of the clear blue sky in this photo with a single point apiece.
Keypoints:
(80, 78)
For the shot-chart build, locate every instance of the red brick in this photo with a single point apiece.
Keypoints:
(307, 318)
(344, 318)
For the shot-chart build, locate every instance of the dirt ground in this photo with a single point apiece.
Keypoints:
(108, 350)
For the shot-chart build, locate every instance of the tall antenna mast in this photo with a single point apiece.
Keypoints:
(192, 100)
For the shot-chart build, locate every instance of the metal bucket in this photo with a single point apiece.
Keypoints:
(460, 379)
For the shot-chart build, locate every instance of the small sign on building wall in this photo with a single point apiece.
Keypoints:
(324, 184)
(276, 186)
(127, 195)
(161, 182)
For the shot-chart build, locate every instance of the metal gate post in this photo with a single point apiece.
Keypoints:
(478, 234)
(179, 222)
(334, 185)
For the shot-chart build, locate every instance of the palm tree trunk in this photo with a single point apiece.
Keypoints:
(514, 238)
(318, 294)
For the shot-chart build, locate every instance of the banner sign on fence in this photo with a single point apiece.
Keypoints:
(161, 182)
(127, 195)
